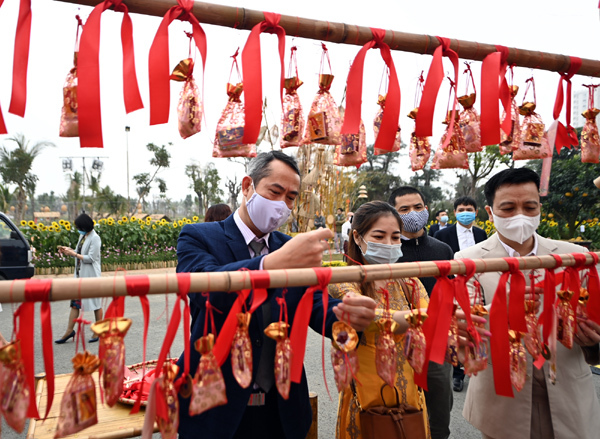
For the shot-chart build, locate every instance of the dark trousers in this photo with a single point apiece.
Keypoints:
(439, 399)
(261, 422)
(459, 372)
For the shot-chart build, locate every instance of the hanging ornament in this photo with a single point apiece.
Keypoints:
(353, 148)
(229, 139)
(386, 355)
(511, 142)
(14, 396)
(111, 351)
(420, 147)
(78, 405)
(241, 351)
(323, 124)
(468, 118)
(377, 126)
(532, 338)
(69, 121)
(189, 108)
(582, 303)
(292, 116)
(452, 350)
(518, 360)
(344, 356)
(565, 327)
(451, 153)
(278, 331)
(534, 143)
(414, 340)
(167, 401)
(590, 142)
(476, 356)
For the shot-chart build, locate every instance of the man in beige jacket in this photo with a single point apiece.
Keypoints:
(541, 410)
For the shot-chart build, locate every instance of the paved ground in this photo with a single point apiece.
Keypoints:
(158, 322)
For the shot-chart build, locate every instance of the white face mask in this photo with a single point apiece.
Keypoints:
(378, 253)
(518, 228)
(267, 215)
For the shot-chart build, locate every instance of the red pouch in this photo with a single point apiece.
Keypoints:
(469, 118)
(518, 360)
(452, 152)
(344, 357)
(69, 120)
(452, 351)
(14, 396)
(292, 116)
(386, 354)
(241, 351)
(420, 147)
(414, 341)
(189, 108)
(279, 331)
(590, 142)
(377, 125)
(512, 141)
(565, 315)
(533, 141)
(354, 145)
(533, 338)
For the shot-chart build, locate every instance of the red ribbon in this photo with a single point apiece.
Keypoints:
(593, 305)
(158, 59)
(565, 136)
(252, 71)
(572, 280)
(3, 129)
(20, 61)
(302, 319)
(391, 112)
(138, 286)
(494, 88)
(260, 281)
(436, 326)
(461, 295)
(88, 73)
(424, 123)
(36, 290)
(516, 311)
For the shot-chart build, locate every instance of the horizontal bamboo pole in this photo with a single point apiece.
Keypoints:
(69, 289)
(321, 30)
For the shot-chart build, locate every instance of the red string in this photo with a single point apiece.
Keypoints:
(357, 34)
(297, 26)
(327, 34)
(236, 23)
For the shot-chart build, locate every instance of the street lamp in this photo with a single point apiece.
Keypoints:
(67, 166)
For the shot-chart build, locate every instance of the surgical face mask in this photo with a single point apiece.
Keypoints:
(378, 253)
(465, 218)
(267, 215)
(82, 232)
(518, 228)
(414, 221)
(444, 219)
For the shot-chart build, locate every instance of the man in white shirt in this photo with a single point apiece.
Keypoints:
(442, 222)
(345, 231)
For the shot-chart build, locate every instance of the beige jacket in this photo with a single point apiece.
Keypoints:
(573, 402)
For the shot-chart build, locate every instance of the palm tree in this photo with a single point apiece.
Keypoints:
(16, 164)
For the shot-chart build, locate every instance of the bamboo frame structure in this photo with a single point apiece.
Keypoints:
(321, 30)
(69, 289)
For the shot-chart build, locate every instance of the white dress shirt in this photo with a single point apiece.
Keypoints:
(249, 236)
(465, 236)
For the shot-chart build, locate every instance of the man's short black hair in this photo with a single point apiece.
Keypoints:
(440, 211)
(402, 191)
(508, 177)
(84, 223)
(259, 166)
(465, 201)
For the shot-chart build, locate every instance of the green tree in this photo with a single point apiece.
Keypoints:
(161, 160)
(5, 198)
(205, 184)
(434, 195)
(572, 195)
(15, 167)
(377, 176)
(481, 165)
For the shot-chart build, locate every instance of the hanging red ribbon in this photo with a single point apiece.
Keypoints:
(572, 279)
(139, 286)
(424, 123)
(494, 88)
(391, 112)
(461, 295)
(260, 282)
(158, 59)
(439, 313)
(18, 98)
(302, 319)
(88, 73)
(593, 305)
(565, 136)
(36, 290)
(3, 129)
(499, 342)
(252, 72)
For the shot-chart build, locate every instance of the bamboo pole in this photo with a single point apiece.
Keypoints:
(321, 30)
(69, 289)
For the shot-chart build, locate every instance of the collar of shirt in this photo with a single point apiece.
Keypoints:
(248, 234)
(512, 253)
(462, 229)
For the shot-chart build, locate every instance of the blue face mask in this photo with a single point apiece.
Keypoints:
(465, 218)
(82, 232)
(378, 253)
(444, 219)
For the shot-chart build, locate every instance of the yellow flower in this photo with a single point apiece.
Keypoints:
(133, 219)
(187, 221)
(550, 215)
(568, 194)
(180, 222)
(140, 221)
(120, 222)
(174, 224)
(43, 228)
(68, 227)
(153, 226)
(34, 227)
(111, 222)
(195, 218)
(142, 226)
(31, 224)
(23, 222)
(54, 223)
(124, 219)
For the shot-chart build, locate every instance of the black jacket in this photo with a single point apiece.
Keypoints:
(450, 237)
(425, 248)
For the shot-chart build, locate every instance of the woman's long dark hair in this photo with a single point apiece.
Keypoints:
(364, 219)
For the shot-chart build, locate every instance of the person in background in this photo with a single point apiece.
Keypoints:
(87, 264)
(249, 239)
(217, 212)
(375, 239)
(339, 222)
(460, 236)
(442, 222)
(418, 246)
(319, 220)
(543, 409)
(345, 231)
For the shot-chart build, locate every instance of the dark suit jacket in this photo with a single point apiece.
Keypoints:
(435, 228)
(449, 236)
(220, 246)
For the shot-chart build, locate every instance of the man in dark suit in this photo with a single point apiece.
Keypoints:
(248, 240)
(442, 222)
(460, 236)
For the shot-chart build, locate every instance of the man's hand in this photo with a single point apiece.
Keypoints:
(303, 251)
(535, 294)
(588, 333)
(358, 310)
(464, 338)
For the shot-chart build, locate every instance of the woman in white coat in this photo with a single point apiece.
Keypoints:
(87, 264)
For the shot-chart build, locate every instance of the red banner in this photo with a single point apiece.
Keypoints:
(494, 88)
(252, 72)
(88, 72)
(158, 59)
(18, 98)
(565, 136)
(391, 112)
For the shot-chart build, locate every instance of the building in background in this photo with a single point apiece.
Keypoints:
(580, 104)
